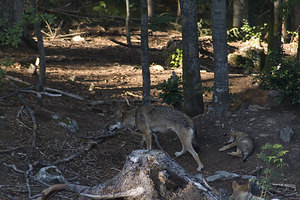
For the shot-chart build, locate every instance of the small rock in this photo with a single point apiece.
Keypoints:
(77, 38)
(157, 67)
(286, 134)
(256, 108)
(67, 123)
(50, 174)
(274, 98)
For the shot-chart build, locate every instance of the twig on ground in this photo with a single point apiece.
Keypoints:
(69, 158)
(65, 93)
(29, 111)
(10, 150)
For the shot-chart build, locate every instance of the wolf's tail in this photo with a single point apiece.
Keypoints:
(196, 141)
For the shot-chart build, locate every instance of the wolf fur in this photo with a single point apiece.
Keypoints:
(243, 143)
(240, 192)
(163, 119)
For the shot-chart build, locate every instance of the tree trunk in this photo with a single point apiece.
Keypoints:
(237, 14)
(193, 100)
(127, 24)
(148, 175)
(37, 28)
(11, 10)
(274, 54)
(298, 49)
(145, 53)
(150, 9)
(219, 36)
(178, 9)
(240, 12)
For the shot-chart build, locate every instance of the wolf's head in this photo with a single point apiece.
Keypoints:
(233, 135)
(125, 119)
(240, 192)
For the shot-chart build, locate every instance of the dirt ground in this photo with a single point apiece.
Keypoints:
(115, 72)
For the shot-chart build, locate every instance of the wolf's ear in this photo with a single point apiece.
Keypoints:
(234, 185)
(247, 185)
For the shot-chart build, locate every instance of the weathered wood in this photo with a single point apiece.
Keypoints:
(145, 175)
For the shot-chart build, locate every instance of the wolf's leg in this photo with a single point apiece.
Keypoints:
(186, 141)
(237, 153)
(177, 154)
(156, 141)
(229, 146)
(196, 157)
(148, 137)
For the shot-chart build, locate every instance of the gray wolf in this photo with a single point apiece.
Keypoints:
(242, 142)
(162, 119)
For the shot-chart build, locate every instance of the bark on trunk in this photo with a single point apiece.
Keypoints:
(274, 37)
(11, 10)
(145, 53)
(127, 24)
(146, 175)
(40, 44)
(193, 100)
(219, 36)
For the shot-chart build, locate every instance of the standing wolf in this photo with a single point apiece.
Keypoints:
(162, 119)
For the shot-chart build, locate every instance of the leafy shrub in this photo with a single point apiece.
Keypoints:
(203, 28)
(284, 78)
(246, 32)
(272, 155)
(172, 91)
(176, 59)
(4, 64)
(252, 61)
(163, 21)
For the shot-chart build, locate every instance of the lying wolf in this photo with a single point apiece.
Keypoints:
(243, 143)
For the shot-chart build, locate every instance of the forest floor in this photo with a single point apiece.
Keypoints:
(116, 74)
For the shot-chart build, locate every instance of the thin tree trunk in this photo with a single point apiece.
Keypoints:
(145, 53)
(274, 37)
(127, 23)
(219, 36)
(237, 14)
(37, 28)
(178, 9)
(298, 49)
(240, 12)
(150, 9)
(193, 100)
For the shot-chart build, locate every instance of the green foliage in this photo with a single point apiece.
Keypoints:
(116, 7)
(162, 21)
(203, 89)
(12, 35)
(4, 64)
(284, 78)
(272, 155)
(176, 59)
(253, 60)
(172, 91)
(246, 32)
(203, 28)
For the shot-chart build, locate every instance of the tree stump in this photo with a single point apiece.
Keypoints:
(145, 175)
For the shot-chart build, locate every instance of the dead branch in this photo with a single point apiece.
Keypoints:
(7, 77)
(145, 175)
(34, 124)
(79, 153)
(65, 93)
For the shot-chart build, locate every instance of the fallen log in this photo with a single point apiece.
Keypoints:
(145, 175)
